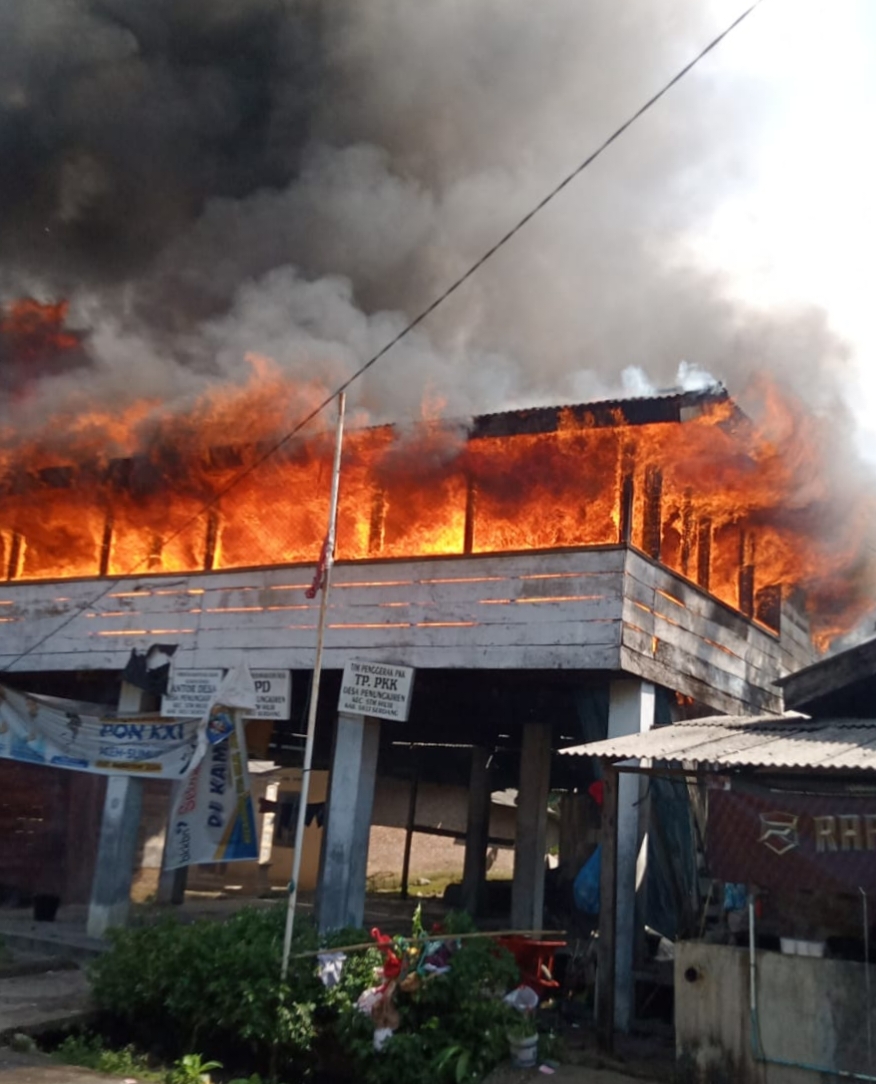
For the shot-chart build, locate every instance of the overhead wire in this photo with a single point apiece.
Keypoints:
(406, 330)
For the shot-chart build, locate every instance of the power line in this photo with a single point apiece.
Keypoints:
(423, 315)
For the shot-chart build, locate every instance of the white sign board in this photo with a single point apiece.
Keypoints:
(273, 694)
(379, 689)
(193, 692)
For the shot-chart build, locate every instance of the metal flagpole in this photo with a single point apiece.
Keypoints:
(329, 554)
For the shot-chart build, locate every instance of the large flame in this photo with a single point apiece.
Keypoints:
(744, 508)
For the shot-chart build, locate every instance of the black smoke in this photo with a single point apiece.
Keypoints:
(121, 119)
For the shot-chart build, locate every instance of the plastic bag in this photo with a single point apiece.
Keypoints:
(524, 999)
(585, 890)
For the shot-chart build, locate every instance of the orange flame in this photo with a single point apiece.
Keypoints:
(735, 505)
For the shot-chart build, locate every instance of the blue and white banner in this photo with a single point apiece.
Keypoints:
(63, 734)
(213, 819)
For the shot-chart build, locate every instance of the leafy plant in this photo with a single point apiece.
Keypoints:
(214, 986)
(89, 1052)
(192, 1069)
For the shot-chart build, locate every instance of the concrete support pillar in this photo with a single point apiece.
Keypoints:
(527, 889)
(477, 832)
(630, 711)
(348, 822)
(119, 830)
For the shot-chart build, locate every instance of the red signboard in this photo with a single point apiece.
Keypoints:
(783, 840)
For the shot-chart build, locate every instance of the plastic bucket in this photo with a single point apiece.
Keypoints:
(524, 1052)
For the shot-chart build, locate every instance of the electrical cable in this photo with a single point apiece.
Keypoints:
(415, 322)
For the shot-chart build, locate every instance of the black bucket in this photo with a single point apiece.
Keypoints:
(45, 907)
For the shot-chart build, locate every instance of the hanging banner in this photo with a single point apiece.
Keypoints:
(783, 840)
(37, 731)
(214, 819)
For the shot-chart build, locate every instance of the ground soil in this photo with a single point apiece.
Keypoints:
(18, 1068)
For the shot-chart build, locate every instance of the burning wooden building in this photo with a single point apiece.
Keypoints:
(554, 574)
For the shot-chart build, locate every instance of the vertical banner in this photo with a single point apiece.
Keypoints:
(214, 819)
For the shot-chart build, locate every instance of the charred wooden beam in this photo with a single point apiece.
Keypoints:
(15, 560)
(687, 532)
(627, 493)
(746, 573)
(106, 544)
(768, 606)
(155, 558)
(704, 553)
(211, 543)
(471, 507)
(377, 524)
(652, 525)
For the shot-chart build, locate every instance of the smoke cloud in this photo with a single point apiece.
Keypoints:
(209, 178)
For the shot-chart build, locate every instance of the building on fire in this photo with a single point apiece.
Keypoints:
(555, 575)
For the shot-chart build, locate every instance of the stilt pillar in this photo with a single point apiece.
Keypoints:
(606, 946)
(117, 849)
(630, 711)
(348, 822)
(527, 889)
(477, 832)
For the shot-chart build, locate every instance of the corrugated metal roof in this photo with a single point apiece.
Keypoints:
(666, 406)
(766, 741)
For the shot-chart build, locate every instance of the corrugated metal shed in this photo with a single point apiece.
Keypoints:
(721, 742)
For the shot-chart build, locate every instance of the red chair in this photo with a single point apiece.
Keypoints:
(535, 960)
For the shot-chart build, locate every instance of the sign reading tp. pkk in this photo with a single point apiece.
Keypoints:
(194, 690)
(379, 689)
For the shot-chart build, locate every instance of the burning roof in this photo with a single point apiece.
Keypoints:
(683, 476)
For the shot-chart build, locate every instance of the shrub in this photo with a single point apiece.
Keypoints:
(212, 986)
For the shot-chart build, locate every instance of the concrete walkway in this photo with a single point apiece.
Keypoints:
(33, 1002)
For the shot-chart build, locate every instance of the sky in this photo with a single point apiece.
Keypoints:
(801, 226)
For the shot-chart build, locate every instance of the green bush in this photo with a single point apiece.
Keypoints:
(212, 986)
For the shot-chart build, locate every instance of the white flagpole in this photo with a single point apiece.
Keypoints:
(314, 689)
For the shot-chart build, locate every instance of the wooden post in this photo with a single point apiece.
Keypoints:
(746, 573)
(15, 563)
(477, 832)
(626, 492)
(211, 543)
(471, 506)
(409, 831)
(605, 951)
(627, 499)
(527, 887)
(687, 532)
(652, 527)
(704, 553)
(106, 545)
(377, 524)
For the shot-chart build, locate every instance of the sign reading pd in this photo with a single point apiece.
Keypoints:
(379, 689)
